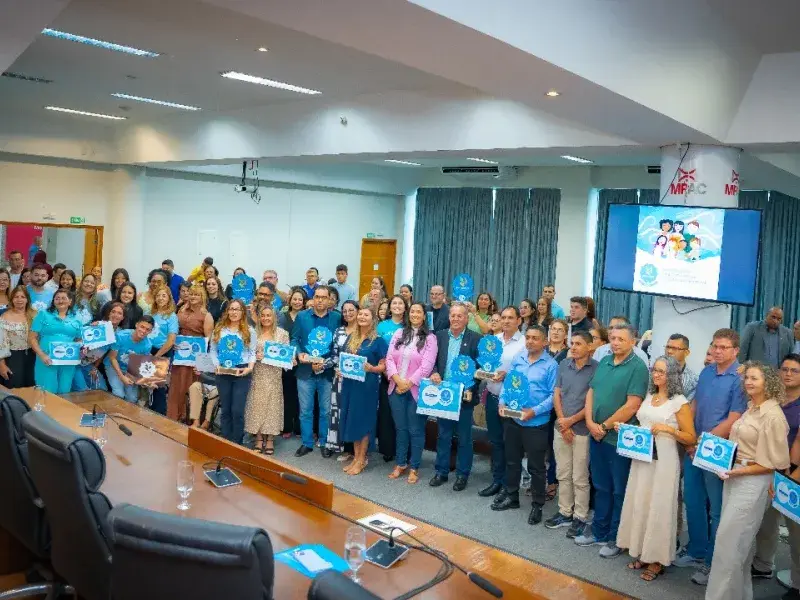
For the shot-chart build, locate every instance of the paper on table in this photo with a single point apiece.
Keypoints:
(384, 523)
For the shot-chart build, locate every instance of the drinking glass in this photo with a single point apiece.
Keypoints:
(185, 483)
(355, 546)
(39, 395)
(99, 434)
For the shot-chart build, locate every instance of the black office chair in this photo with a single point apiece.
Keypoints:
(22, 512)
(163, 556)
(332, 585)
(68, 470)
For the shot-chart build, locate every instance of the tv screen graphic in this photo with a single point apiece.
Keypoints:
(683, 251)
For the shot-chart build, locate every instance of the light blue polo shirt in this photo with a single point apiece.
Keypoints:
(164, 325)
(41, 301)
(52, 328)
(125, 346)
(716, 396)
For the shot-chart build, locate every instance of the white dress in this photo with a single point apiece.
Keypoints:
(649, 521)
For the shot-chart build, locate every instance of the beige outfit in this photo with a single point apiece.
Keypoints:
(572, 472)
(197, 393)
(648, 523)
(761, 435)
(264, 411)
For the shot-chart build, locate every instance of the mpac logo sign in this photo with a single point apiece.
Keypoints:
(686, 184)
(732, 188)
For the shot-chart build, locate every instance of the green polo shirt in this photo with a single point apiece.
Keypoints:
(611, 386)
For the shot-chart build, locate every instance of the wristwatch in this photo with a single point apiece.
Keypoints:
(603, 427)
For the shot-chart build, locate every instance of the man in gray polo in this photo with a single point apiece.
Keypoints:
(571, 440)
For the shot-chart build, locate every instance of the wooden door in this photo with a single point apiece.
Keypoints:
(378, 258)
(92, 248)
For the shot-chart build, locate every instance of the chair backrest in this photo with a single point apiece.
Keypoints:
(164, 556)
(22, 511)
(68, 470)
(332, 585)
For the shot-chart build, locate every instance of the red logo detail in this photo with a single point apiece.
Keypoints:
(734, 176)
(687, 175)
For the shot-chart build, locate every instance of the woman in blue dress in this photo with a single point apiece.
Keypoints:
(358, 401)
(56, 324)
(163, 337)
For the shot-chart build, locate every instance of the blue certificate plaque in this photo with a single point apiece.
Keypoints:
(714, 453)
(787, 496)
(65, 353)
(187, 347)
(429, 319)
(319, 343)
(278, 355)
(442, 401)
(515, 395)
(635, 442)
(98, 336)
(351, 366)
(242, 288)
(230, 351)
(463, 287)
(490, 354)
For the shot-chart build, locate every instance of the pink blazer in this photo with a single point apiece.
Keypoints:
(420, 363)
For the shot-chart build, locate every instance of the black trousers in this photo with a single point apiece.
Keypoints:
(533, 442)
(291, 405)
(21, 363)
(385, 429)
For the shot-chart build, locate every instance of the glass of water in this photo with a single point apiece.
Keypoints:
(99, 434)
(355, 546)
(39, 395)
(185, 483)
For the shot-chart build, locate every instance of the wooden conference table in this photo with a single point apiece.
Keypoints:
(141, 469)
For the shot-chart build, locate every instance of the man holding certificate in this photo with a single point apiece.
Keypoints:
(312, 374)
(528, 433)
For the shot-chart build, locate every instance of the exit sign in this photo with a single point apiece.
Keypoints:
(370, 235)
(77, 220)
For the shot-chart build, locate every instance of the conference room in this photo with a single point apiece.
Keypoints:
(537, 165)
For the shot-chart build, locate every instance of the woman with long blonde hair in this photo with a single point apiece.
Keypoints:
(233, 382)
(165, 330)
(358, 401)
(193, 320)
(17, 359)
(263, 416)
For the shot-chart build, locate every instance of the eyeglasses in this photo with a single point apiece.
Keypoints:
(676, 348)
(791, 370)
(659, 372)
(715, 347)
(234, 309)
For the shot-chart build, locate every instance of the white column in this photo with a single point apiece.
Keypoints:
(125, 234)
(697, 176)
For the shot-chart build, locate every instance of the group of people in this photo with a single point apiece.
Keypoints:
(585, 381)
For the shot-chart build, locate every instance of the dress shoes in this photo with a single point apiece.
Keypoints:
(326, 452)
(437, 480)
(492, 490)
(536, 515)
(506, 503)
(460, 485)
(500, 496)
(303, 450)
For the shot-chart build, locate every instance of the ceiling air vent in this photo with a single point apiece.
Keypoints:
(489, 172)
(22, 77)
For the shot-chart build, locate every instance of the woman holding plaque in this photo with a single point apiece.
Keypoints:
(90, 373)
(17, 359)
(761, 434)
(193, 320)
(359, 399)
(163, 337)
(291, 403)
(233, 350)
(340, 337)
(56, 324)
(410, 359)
(229, 287)
(648, 523)
(263, 416)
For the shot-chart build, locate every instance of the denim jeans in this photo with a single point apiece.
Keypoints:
(699, 487)
(305, 392)
(494, 427)
(129, 393)
(609, 476)
(463, 427)
(232, 401)
(87, 377)
(410, 429)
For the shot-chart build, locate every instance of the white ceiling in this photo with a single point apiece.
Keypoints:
(769, 25)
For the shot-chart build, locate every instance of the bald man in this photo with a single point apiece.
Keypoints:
(768, 341)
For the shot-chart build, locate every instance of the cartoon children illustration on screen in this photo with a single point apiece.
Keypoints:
(693, 249)
(678, 227)
(660, 247)
(665, 225)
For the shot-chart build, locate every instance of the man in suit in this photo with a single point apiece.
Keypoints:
(452, 342)
(767, 341)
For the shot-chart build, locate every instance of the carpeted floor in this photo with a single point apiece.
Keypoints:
(469, 515)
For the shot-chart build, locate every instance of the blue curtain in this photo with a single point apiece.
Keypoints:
(524, 248)
(637, 307)
(451, 236)
(779, 269)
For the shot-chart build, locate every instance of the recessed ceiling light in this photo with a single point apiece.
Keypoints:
(270, 82)
(483, 160)
(159, 102)
(263, 49)
(553, 93)
(402, 162)
(61, 35)
(577, 159)
(84, 113)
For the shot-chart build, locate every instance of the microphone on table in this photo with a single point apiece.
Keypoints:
(298, 479)
(483, 583)
(123, 428)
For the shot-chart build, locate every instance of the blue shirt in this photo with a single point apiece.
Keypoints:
(165, 324)
(52, 328)
(541, 375)
(248, 351)
(310, 290)
(453, 349)
(558, 312)
(175, 286)
(387, 328)
(346, 292)
(41, 300)
(125, 346)
(716, 396)
(304, 323)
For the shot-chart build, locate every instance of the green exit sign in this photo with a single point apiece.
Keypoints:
(77, 220)
(370, 235)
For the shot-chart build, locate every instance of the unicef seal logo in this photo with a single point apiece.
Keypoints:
(445, 397)
(648, 274)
